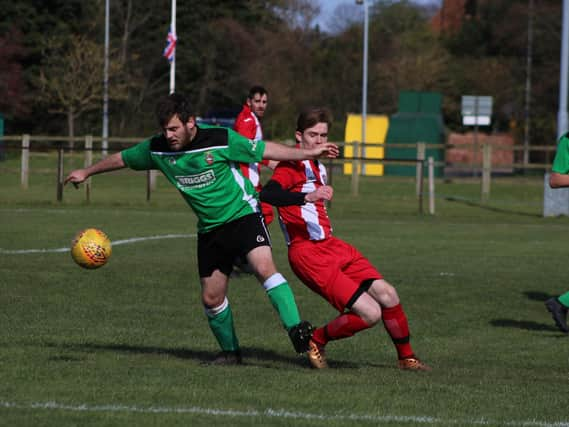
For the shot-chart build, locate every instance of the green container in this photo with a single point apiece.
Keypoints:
(419, 120)
(420, 102)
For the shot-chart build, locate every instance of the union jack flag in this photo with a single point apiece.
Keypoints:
(170, 49)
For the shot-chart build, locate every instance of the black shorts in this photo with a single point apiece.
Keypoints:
(217, 249)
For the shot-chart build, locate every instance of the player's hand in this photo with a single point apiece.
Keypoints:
(76, 177)
(327, 150)
(321, 193)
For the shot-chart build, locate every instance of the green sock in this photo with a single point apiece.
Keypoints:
(564, 299)
(283, 301)
(221, 325)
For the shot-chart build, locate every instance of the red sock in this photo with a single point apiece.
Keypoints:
(395, 323)
(343, 326)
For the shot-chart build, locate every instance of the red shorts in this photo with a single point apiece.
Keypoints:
(332, 268)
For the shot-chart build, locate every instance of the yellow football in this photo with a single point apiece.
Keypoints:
(91, 248)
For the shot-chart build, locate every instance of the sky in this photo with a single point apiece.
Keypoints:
(327, 8)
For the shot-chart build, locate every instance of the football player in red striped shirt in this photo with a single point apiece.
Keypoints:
(248, 124)
(332, 268)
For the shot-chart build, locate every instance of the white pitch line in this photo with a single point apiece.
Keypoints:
(114, 243)
(274, 413)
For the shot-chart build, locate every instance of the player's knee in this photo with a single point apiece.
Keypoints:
(261, 261)
(372, 315)
(384, 293)
(391, 293)
(394, 299)
(264, 269)
(212, 300)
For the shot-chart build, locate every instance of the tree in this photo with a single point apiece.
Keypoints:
(138, 36)
(489, 58)
(70, 78)
(36, 21)
(11, 76)
(407, 55)
(225, 47)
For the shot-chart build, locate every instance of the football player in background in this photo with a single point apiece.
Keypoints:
(248, 124)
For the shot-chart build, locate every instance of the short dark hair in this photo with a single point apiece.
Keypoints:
(257, 90)
(172, 105)
(312, 116)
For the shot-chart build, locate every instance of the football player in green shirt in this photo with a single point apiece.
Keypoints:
(559, 178)
(202, 162)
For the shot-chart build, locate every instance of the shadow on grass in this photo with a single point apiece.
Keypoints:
(538, 295)
(181, 353)
(252, 356)
(523, 324)
(484, 206)
(527, 324)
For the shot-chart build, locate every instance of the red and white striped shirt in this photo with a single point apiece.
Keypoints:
(248, 125)
(309, 221)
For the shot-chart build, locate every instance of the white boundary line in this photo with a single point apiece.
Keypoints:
(114, 243)
(274, 413)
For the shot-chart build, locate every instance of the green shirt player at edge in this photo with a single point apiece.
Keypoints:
(202, 162)
(559, 178)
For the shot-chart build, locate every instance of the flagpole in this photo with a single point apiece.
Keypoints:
(105, 139)
(173, 62)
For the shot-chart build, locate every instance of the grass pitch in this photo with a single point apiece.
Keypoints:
(126, 344)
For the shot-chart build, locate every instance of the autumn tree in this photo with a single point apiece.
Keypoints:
(225, 47)
(406, 55)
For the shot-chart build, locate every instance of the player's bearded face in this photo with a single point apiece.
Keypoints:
(179, 134)
(258, 104)
(313, 136)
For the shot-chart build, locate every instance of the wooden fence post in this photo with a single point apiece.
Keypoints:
(88, 162)
(355, 166)
(431, 164)
(148, 184)
(486, 171)
(60, 171)
(420, 165)
(421, 150)
(25, 168)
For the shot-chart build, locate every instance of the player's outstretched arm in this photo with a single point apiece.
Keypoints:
(110, 163)
(557, 180)
(275, 151)
(274, 194)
